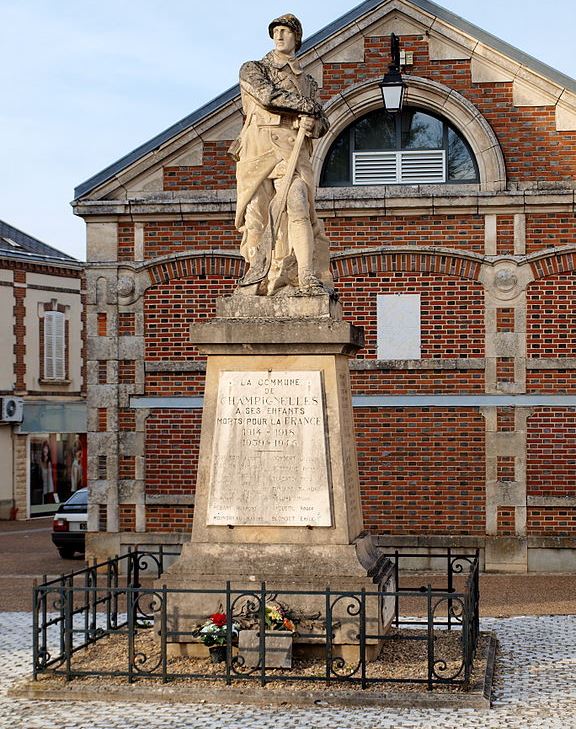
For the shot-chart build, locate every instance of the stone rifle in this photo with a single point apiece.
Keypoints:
(277, 209)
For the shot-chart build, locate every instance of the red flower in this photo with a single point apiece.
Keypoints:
(219, 619)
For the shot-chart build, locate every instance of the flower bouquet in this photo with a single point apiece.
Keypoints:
(278, 617)
(213, 634)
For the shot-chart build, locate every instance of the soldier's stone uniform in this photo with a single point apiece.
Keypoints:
(275, 93)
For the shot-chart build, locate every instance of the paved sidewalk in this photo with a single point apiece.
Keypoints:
(535, 687)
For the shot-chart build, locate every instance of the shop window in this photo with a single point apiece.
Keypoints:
(413, 147)
(58, 468)
(398, 326)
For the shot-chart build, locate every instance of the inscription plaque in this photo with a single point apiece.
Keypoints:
(269, 462)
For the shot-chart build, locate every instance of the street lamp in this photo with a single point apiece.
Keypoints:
(392, 86)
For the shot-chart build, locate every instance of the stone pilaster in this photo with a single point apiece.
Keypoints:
(505, 280)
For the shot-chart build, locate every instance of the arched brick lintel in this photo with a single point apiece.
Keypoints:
(553, 263)
(409, 262)
(358, 264)
(196, 266)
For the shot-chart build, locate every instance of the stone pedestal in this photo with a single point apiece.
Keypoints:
(277, 496)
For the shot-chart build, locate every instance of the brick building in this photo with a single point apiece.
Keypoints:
(42, 396)
(452, 229)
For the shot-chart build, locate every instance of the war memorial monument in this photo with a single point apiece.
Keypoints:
(277, 496)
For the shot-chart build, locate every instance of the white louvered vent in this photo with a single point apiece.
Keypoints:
(422, 166)
(375, 168)
(397, 168)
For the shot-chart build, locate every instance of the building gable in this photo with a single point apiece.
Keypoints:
(448, 38)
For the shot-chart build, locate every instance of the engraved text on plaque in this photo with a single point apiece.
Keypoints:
(269, 462)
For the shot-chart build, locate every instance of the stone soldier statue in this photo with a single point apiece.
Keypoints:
(282, 238)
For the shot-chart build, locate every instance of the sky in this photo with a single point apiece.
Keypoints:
(84, 83)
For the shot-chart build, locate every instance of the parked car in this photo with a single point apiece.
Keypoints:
(69, 525)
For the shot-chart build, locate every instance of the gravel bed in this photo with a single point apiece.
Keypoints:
(401, 657)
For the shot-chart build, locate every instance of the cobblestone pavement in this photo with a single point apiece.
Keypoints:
(536, 687)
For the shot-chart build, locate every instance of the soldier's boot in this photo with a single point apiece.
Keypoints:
(302, 240)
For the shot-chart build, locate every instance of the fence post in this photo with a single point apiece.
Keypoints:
(430, 641)
(329, 647)
(163, 634)
(35, 635)
(262, 643)
(43, 599)
(86, 604)
(397, 583)
(136, 572)
(131, 609)
(450, 587)
(68, 592)
(94, 598)
(362, 637)
(229, 622)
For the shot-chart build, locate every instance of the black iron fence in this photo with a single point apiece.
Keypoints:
(109, 601)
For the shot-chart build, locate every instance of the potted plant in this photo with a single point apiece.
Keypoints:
(213, 633)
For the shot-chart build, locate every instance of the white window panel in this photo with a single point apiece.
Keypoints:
(423, 166)
(375, 168)
(395, 168)
(398, 326)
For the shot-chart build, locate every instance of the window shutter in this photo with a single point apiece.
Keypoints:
(54, 345)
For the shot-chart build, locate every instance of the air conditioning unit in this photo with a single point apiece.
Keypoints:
(12, 410)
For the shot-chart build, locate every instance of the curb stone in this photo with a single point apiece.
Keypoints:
(479, 696)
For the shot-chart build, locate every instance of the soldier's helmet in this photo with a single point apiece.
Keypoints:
(288, 21)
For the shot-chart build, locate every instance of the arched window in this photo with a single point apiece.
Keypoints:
(414, 147)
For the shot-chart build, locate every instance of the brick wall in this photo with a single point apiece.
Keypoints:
(452, 311)
(465, 232)
(414, 382)
(505, 234)
(125, 241)
(558, 382)
(551, 320)
(126, 324)
(19, 331)
(127, 517)
(422, 470)
(505, 420)
(168, 237)
(551, 453)
(217, 172)
(506, 521)
(551, 522)
(546, 230)
(169, 519)
(172, 442)
(174, 384)
(169, 309)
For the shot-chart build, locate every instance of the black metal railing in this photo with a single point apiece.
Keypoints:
(108, 600)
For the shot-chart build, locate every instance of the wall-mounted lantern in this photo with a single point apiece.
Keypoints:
(392, 86)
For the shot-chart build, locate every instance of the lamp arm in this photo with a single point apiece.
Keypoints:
(395, 51)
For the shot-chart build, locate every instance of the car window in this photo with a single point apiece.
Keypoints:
(80, 498)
